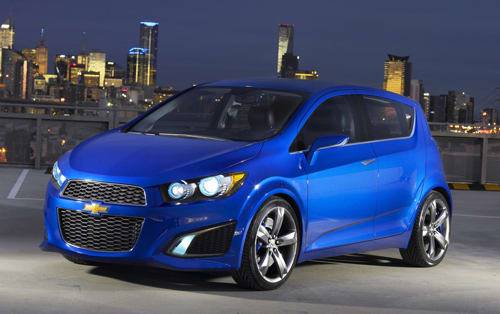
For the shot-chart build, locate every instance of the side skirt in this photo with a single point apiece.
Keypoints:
(397, 241)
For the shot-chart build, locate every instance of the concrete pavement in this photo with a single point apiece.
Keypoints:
(32, 281)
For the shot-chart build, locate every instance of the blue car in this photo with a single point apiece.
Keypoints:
(253, 177)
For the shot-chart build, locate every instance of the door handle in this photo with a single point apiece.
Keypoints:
(367, 161)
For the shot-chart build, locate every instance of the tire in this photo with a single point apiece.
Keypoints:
(80, 261)
(271, 274)
(429, 228)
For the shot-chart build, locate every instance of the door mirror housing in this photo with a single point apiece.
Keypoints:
(325, 142)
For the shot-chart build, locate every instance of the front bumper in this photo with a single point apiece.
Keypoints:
(163, 224)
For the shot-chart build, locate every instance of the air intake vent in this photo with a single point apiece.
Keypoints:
(207, 242)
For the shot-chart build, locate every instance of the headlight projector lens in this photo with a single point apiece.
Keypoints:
(180, 190)
(213, 186)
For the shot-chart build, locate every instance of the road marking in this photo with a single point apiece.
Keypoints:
(29, 199)
(477, 216)
(17, 186)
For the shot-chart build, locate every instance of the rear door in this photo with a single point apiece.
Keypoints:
(395, 141)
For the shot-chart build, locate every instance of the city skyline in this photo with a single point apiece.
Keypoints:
(340, 49)
(94, 78)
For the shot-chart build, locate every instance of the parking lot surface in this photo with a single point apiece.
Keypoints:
(32, 281)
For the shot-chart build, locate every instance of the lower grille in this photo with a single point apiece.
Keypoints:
(215, 241)
(99, 233)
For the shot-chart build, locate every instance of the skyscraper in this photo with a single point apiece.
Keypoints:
(6, 38)
(285, 43)
(489, 117)
(25, 76)
(289, 65)
(7, 35)
(97, 63)
(75, 72)
(83, 58)
(61, 66)
(136, 63)
(17, 75)
(8, 79)
(426, 104)
(459, 107)
(437, 108)
(110, 69)
(417, 90)
(397, 74)
(149, 42)
(29, 54)
(42, 55)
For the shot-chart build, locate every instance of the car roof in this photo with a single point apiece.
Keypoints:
(302, 86)
(309, 86)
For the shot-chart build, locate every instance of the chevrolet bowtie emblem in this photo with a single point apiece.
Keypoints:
(95, 208)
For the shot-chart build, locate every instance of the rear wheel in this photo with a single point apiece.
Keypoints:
(431, 234)
(271, 247)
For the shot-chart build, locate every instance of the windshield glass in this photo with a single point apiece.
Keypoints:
(244, 114)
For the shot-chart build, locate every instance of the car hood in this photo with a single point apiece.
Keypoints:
(148, 159)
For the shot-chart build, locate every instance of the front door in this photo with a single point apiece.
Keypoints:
(342, 180)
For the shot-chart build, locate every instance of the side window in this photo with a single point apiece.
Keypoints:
(334, 116)
(387, 119)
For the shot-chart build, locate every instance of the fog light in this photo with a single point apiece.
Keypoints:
(182, 245)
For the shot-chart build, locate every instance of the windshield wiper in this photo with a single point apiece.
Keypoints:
(193, 136)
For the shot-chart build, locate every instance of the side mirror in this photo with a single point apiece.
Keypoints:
(325, 142)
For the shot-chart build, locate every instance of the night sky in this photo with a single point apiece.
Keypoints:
(453, 44)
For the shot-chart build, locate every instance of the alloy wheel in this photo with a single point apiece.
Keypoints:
(276, 244)
(435, 222)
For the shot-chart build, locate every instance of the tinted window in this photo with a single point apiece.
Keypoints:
(387, 119)
(247, 114)
(336, 116)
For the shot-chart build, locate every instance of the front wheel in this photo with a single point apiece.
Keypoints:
(431, 233)
(271, 247)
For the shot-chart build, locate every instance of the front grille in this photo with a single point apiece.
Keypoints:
(99, 233)
(105, 192)
(215, 241)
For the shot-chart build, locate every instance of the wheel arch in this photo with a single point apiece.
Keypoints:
(447, 194)
(434, 183)
(266, 191)
(298, 213)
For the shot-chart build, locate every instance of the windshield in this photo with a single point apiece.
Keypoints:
(244, 114)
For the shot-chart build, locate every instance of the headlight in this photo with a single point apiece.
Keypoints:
(182, 190)
(57, 175)
(210, 187)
